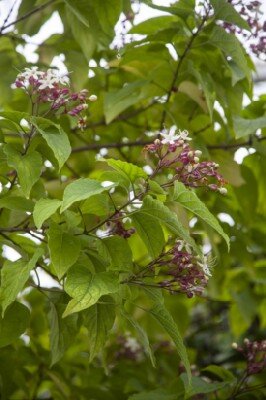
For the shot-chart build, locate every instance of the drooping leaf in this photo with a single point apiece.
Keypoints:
(191, 202)
(81, 189)
(14, 323)
(99, 320)
(55, 138)
(86, 288)
(62, 331)
(43, 209)
(141, 334)
(28, 167)
(244, 127)
(150, 232)
(158, 211)
(226, 12)
(14, 275)
(64, 248)
(117, 252)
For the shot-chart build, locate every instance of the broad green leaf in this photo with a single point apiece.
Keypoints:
(230, 46)
(64, 248)
(43, 210)
(225, 11)
(199, 386)
(116, 102)
(159, 212)
(81, 189)
(14, 323)
(191, 202)
(55, 138)
(153, 25)
(14, 275)
(16, 203)
(117, 253)
(28, 167)
(15, 116)
(127, 170)
(86, 288)
(99, 320)
(62, 331)
(141, 334)
(150, 231)
(96, 205)
(245, 127)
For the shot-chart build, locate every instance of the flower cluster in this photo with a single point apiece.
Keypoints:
(182, 270)
(256, 38)
(116, 226)
(173, 151)
(129, 348)
(255, 355)
(50, 87)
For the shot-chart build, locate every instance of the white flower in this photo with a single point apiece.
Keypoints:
(132, 344)
(169, 137)
(183, 245)
(183, 135)
(31, 73)
(204, 265)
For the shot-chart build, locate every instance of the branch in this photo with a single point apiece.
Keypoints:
(137, 143)
(27, 15)
(180, 62)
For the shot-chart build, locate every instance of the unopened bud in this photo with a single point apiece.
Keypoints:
(234, 345)
(196, 160)
(157, 142)
(93, 97)
(190, 154)
(198, 153)
(85, 106)
(223, 190)
(246, 341)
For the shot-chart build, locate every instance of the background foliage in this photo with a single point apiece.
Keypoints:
(75, 322)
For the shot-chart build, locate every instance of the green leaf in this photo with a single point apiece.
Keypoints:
(55, 138)
(159, 212)
(226, 12)
(64, 248)
(28, 167)
(96, 205)
(78, 8)
(199, 386)
(141, 334)
(150, 231)
(157, 394)
(245, 127)
(15, 116)
(14, 275)
(81, 189)
(118, 101)
(16, 203)
(129, 171)
(62, 331)
(14, 323)
(229, 44)
(165, 319)
(86, 288)
(99, 320)
(117, 252)
(43, 210)
(153, 25)
(191, 202)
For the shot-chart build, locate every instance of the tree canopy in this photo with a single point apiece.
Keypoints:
(133, 260)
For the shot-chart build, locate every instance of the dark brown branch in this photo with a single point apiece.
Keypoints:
(27, 15)
(180, 62)
(137, 143)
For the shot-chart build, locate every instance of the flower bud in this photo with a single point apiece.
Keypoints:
(198, 153)
(93, 97)
(196, 160)
(234, 345)
(223, 190)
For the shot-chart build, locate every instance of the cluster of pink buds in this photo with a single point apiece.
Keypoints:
(256, 39)
(129, 348)
(116, 226)
(173, 151)
(50, 87)
(182, 270)
(255, 355)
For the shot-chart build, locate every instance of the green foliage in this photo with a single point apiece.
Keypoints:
(115, 219)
